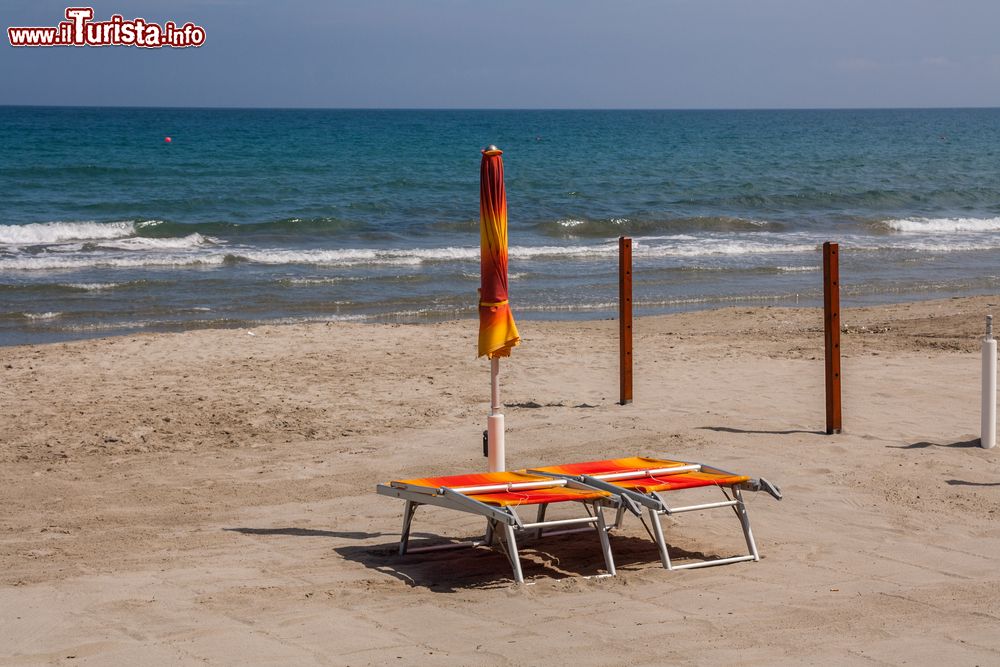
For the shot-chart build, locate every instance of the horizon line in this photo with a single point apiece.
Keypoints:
(428, 108)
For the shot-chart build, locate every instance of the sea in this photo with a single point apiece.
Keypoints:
(255, 216)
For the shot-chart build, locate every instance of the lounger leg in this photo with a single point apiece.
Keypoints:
(408, 511)
(654, 518)
(541, 518)
(515, 560)
(741, 512)
(491, 532)
(620, 515)
(602, 531)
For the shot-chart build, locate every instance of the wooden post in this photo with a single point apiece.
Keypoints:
(625, 318)
(831, 327)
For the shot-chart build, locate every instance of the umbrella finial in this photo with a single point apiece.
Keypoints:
(492, 150)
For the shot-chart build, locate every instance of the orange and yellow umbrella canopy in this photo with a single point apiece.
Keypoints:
(497, 331)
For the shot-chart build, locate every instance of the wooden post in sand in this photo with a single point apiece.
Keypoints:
(831, 328)
(625, 318)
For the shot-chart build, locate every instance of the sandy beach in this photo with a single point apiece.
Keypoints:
(210, 496)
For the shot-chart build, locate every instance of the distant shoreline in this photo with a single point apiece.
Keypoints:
(502, 109)
(856, 318)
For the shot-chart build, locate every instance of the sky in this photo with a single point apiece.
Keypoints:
(671, 54)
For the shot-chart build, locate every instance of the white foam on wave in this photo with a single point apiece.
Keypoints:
(41, 233)
(56, 247)
(49, 262)
(414, 256)
(386, 256)
(720, 246)
(532, 252)
(42, 316)
(344, 257)
(922, 243)
(94, 287)
(566, 307)
(410, 256)
(307, 320)
(201, 251)
(949, 246)
(194, 240)
(944, 225)
(570, 223)
(333, 280)
(196, 250)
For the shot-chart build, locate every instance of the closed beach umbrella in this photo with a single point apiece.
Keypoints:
(497, 331)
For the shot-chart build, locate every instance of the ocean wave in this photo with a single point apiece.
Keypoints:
(689, 246)
(198, 251)
(812, 199)
(174, 243)
(616, 226)
(720, 299)
(41, 233)
(943, 225)
(410, 256)
(581, 306)
(947, 246)
(52, 288)
(341, 257)
(574, 251)
(209, 323)
(697, 267)
(92, 287)
(201, 254)
(681, 246)
(284, 228)
(49, 262)
(138, 231)
(795, 269)
(333, 280)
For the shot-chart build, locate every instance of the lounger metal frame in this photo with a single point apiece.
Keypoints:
(505, 519)
(657, 506)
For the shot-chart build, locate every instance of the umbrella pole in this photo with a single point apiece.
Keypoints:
(495, 427)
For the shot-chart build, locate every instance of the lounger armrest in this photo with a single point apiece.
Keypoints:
(761, 484)
(718, 471)
(755, 484)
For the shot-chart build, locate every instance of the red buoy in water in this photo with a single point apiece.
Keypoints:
(167, 139)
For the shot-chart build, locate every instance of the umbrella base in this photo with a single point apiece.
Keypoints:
(496, 456)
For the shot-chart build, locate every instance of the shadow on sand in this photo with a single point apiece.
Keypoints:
(559, 557)
(308, 532)
(451, 570)
(728, 429)
(959, 482)
(925, 444)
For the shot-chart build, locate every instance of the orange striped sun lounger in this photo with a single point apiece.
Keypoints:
(496, 496)
(642, 482)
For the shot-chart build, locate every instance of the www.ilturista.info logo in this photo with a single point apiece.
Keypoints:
(80, 30)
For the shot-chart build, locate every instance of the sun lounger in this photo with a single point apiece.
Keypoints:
(496, 496)
(644, 481)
